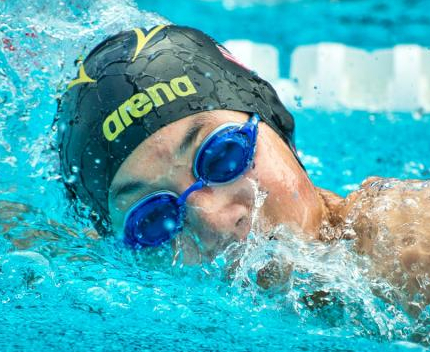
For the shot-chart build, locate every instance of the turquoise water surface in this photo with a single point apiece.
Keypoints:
(60, 289)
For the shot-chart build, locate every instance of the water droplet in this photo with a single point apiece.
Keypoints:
(298, 100)
(97, 161)
(71, 179)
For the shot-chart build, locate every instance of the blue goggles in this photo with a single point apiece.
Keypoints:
(224, 155)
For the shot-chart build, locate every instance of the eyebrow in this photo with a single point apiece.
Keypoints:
(193, 132)
(131, 187)
(126, 188)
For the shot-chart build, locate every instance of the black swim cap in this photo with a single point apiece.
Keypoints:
(134, 83)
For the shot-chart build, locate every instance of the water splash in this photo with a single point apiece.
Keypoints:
(62, 285)
(40, 51)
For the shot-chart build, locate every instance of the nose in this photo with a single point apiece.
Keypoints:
(220, 214)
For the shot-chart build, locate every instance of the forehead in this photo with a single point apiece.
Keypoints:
(159, 149)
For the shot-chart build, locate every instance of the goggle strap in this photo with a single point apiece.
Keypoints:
(255, 118)
(251, 127)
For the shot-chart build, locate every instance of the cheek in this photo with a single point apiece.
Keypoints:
(290, 195)
(287, 203)
(272, 170)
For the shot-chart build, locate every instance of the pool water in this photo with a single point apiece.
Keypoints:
(59, 287)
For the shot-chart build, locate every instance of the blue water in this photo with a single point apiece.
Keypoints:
(60, 288)
(369, 24)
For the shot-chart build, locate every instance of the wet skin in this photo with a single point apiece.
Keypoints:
(390, 220)
(224, 212)
(390, 224)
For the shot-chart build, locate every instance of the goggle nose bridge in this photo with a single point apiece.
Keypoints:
(250, 129)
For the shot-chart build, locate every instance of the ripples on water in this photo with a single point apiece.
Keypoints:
(59, 286)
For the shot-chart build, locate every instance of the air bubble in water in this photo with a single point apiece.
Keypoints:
(71, 179)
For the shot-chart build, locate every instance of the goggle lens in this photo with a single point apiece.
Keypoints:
(224, 158)
(154, 222)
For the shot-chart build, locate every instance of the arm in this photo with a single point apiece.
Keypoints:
(14, 214)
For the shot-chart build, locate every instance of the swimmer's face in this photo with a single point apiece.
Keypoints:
(220, 214)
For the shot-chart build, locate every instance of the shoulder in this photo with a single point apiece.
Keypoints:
(370, 189)
(376, 190)
(387, 207)
(390, 220)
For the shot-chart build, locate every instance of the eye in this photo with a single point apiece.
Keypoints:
(223, 160)
(224, 156)
(153, 220)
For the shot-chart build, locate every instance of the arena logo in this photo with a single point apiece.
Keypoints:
(141, 104)
(143, 39)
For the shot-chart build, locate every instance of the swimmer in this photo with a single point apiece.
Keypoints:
(163, 131)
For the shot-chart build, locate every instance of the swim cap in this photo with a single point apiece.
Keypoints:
(134, 83)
